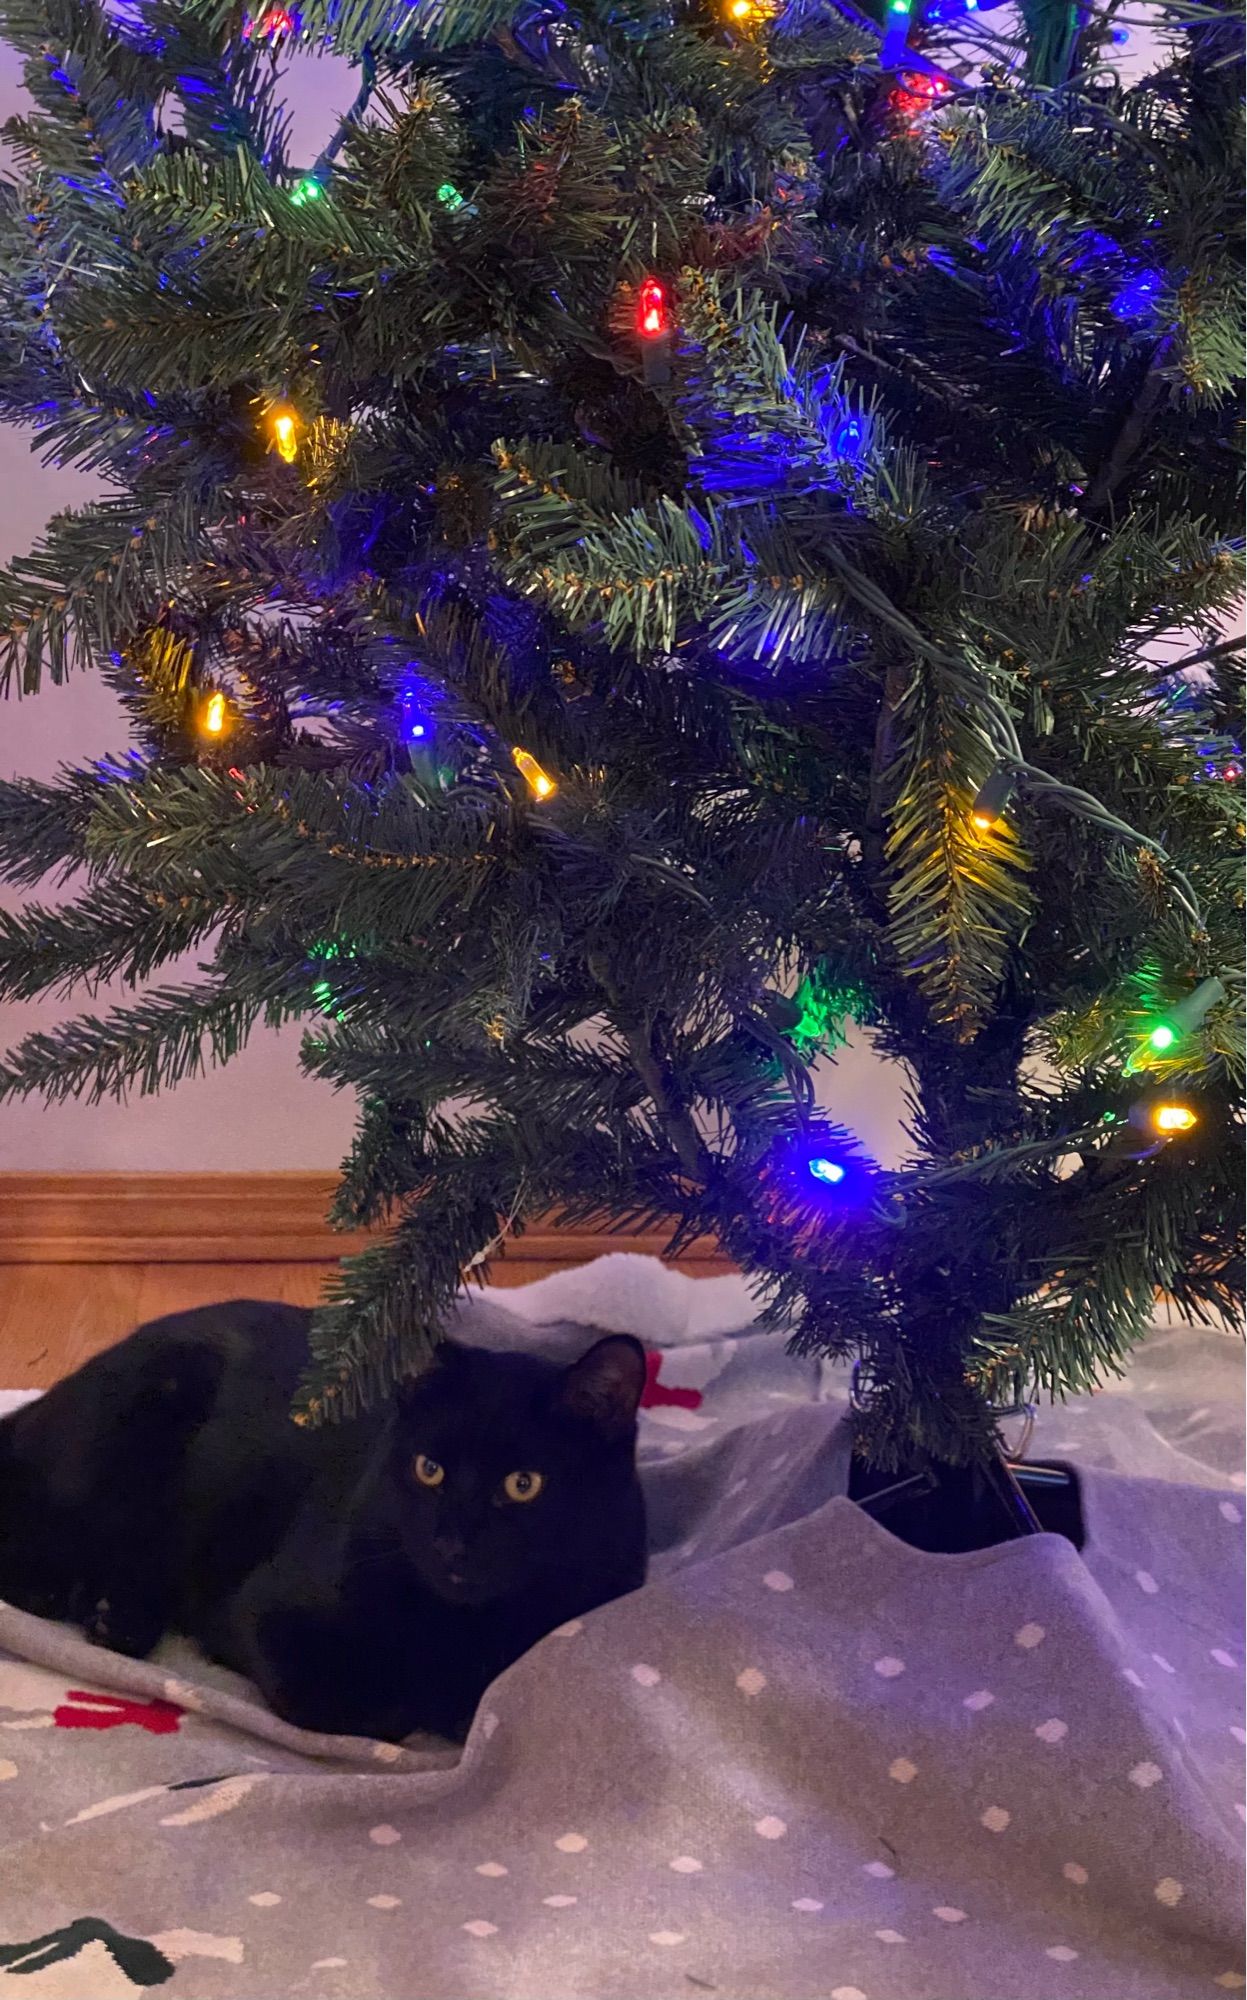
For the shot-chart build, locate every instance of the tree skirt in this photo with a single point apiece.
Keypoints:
(805, 1761)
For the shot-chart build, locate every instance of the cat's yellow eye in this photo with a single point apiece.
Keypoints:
(523, 1486)
(428, 1471)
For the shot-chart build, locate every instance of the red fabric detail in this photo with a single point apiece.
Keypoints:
(656, 1396)
(109, 1711)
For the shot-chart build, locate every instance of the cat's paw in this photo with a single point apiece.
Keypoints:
(134, 1630)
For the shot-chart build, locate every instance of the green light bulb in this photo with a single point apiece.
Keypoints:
(308, 189)
(449, 195)
(1163, 1037)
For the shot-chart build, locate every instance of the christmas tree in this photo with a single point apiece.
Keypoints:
(666, 538)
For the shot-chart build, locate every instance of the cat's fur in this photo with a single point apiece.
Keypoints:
(164, 1487)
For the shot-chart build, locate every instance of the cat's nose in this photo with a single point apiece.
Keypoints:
(451, 1548)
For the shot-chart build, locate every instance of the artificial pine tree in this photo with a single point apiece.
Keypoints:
(659, 542)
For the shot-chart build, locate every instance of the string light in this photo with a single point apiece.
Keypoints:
(992, 797)
(283, 427)
(214, 716)
(653, 321)
(273, 25)
(1185, 1017)
(1170, 1118)
(308, 189)
(449, 196)
(829, 1172)
(539, 783)
(653, 324)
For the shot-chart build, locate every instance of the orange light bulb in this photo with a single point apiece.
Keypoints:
(214, 716)
(539, 783)
(1171, 1118)
(284, 429)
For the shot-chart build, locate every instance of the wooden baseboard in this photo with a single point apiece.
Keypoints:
(260, 1218)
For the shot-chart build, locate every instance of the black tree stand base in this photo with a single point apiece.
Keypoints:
(950, 1509)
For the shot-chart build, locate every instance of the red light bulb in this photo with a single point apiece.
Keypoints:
(652, 320)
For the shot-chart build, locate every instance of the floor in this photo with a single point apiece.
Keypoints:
(54, 1316)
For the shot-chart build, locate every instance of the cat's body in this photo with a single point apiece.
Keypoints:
(372, 1578)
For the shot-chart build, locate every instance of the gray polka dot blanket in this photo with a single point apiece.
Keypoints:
(805, 1762)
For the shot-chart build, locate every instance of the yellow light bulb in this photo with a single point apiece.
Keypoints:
(284, 426)
(984, 821)
(213, 719)
(741, 9)
(539, 784)
(1169, 1118)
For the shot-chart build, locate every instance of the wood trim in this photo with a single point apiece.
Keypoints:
(237, 1218)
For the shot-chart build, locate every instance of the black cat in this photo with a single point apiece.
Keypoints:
(372, 1578)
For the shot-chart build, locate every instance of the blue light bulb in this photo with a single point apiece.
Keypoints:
(830, 1172)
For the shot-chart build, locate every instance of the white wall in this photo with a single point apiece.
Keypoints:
(258, 1112)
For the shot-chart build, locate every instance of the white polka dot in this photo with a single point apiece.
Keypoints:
(1239, 1734)
(646, 1677)
(777, 1464)
(1145, 1774)
(737, 1486)
(891, 1937)
(948, 1913)
(667, 1937)
(384, 1836)
(1238, 1479)
(770, 1828)
(808, 1905)
(1164, 1664)
(847, 1993)
(384, 1902)
(981, 1698)
(889, 1667)
(1129, 1674)
(1029, 1636)
(1228, 1511)
(1062, 1953)
(489, 1723)
(568, 1631)
(571, 1843)
(751, 1681)
(492, 1868)
(384, 1753)
(326, 1964)
(558, 1902)
(902, 1771)
(477, 1927)
(880, 1871)
(1053, 1730)
(1074, 1871)
(777, 1579)
(265, 1900)
(1233, 1982)
(1222, 1658)
(995, 1819)
(1169, 1892)
(8, 1769)
(1241, 1810)
(1147, 1582)
(684, 1864)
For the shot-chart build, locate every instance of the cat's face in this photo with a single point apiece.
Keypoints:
(507, 1466)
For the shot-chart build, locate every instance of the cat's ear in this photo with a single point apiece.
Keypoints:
(604, 1386)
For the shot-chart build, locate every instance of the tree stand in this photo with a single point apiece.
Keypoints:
(950, 1509)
